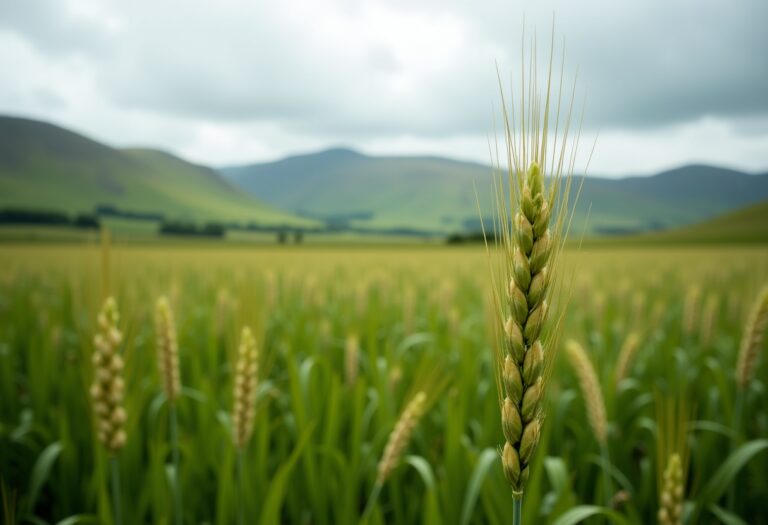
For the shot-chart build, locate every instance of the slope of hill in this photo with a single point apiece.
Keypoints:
(45, 167)
(749, 224)
(439, 194)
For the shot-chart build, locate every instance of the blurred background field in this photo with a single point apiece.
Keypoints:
(324, 411)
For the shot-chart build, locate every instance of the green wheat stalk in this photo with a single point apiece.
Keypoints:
(530, 226)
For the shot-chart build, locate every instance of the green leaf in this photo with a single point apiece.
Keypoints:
(225, 420)
(41, 471)
(424, 469)
(25, 426)
(431, 510)
(557, 472)
(274, 500)
(305, 375)
(77, 519)
(483, 465)
(582, 512)
(193, 394)
(728, 471)
(726, 517)
(614, 472)
(414, 340)
(712, 426)
(171, 477)
(155, 406)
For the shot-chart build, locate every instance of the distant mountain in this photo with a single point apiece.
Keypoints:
(45, 167)
(438, 194)
(418, 192)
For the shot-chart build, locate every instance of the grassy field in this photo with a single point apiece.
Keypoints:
(144, 232)
(347, 337)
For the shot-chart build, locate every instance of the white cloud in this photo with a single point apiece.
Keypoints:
(233, 80)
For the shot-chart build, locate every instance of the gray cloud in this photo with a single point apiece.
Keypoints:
(55, 27)
(644, 64)
(652, 62)
(381, 71)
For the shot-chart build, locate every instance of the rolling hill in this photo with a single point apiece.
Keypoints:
(45, 167)
(745, 225)
(438, 194)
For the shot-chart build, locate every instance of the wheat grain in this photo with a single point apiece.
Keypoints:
(107, 389)
(752, 340)
(523, 362)
(167, 349)
(529, 228)
(400, 436)
(590, 388)
(671, 497)
(691, 309)
(708, 317)
(626, 355)
(351, 359)
(246, 374)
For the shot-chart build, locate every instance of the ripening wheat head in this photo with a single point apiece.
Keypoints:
(628, 350)
(752, 339)
(246, 377)
(351, 359)
(400, 436)
(167, 349)
(590, 388)
(671, 498)
(108, 387)
(672, 457)
(531, 201)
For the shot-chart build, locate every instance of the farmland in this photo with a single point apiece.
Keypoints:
(346, 338)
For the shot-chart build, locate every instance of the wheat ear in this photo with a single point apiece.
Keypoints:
(590, 388)
(708, 316)
(398, 439)
(168, 366)
(400, 436)
(691, 309)
(626, 355)
(752, 340)
(107, 391)
(671, 508)
(523, 365)
(167, 349)
(108, 386)
(530, 226)
(595, 403)
(246, 372)
(351, 360)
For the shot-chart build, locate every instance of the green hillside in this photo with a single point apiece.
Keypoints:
(746, 225)
(409, 192)
(439, 194)
(45, 167)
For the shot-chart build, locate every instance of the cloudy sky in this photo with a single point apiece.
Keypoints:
(232, 81)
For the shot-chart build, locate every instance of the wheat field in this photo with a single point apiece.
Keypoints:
(346, 339)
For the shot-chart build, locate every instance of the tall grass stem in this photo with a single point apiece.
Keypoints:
(517, 511)
(371, 501)
(240, 490)
(175, 458)
(116, 508)
(738, 436)
(605, 453)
